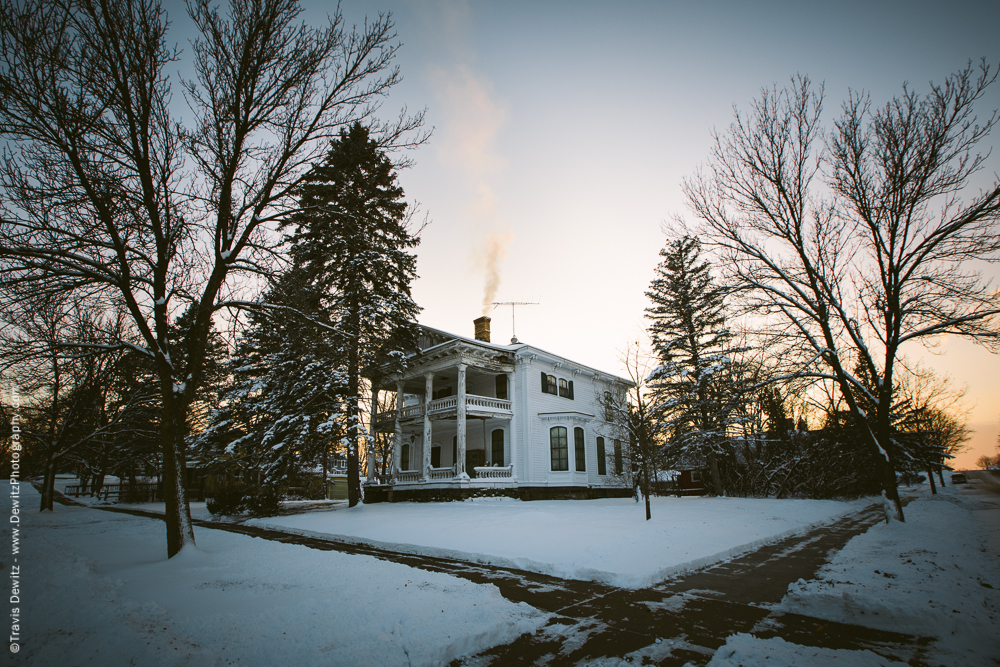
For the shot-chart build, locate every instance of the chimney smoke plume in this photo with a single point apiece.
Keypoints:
(494, 252)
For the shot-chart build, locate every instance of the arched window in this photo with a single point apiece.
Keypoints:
(559, 444)
(496, 450)
(602, 464)
(404, 457)
(581, 449)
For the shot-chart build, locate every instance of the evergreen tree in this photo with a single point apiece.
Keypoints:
(351, 243)
(693, 388)
(284, 404)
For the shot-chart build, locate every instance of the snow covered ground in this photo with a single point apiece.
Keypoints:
(936, 575)
(105, 586)
(98, 590)
(597, 540)
(743, 650)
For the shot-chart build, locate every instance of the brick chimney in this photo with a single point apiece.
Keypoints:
(482, 329)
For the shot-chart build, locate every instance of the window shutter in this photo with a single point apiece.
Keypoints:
(545, 383)
(570, 392)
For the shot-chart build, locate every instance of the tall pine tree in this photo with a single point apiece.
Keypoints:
(283, 407)
(352, 243)
(692, 384)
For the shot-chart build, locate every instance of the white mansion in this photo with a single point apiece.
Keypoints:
(472, 415)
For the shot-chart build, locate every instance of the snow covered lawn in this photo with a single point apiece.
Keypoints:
(934, 575)
(599, 540)
(98, 590)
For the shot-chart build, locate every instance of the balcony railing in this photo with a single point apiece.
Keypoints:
(486, 403)
(411, 411)
(445, 404)
(473, 403)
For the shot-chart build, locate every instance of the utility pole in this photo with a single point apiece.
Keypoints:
(513, 304)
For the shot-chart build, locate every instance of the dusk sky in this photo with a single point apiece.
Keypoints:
(563, 130)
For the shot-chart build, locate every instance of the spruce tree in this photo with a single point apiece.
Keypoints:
(283, 406)
(352, 243)
(692, 386)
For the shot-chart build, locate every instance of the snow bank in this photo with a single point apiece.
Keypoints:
(742, 650)
(933, 576)
(103, 593)
(605, 540)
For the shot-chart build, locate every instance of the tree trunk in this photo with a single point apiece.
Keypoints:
(49, 484)
(891, 492)
(713, 465)
(353, 468)
(930, 476)
(941, 476)
(178, 513)
(645, 490)
(353, 409)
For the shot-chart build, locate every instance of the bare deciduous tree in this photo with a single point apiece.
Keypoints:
(629, 412)
(855, 244)
(66, 358)
(95, 196)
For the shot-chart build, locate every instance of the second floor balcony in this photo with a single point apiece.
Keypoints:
(447, 408)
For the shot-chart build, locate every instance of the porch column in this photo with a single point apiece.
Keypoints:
(460, 470)
(428, 433)
(397, 450)
(512, 430)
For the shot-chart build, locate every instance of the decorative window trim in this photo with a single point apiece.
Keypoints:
(567, 416)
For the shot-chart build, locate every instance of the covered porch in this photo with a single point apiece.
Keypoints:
(451, 425)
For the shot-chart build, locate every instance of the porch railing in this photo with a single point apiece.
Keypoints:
(493, 472)
(442, 473)
(408, 476)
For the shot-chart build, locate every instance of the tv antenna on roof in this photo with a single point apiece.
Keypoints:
(513, 304)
